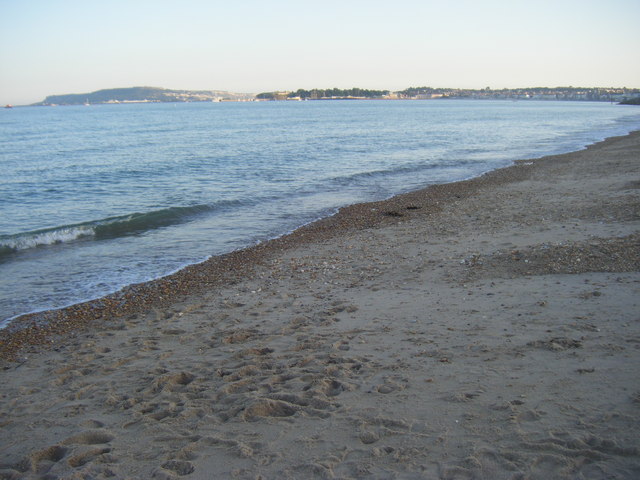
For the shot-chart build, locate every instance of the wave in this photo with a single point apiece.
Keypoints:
(141, 222)
(107, 228)
(356, 178)
(23, 241)
(137, 223)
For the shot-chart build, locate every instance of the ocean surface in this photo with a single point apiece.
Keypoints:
(95, 198)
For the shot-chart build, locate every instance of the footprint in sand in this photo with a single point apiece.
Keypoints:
(78, 450)
(172, 382)
(180, 467)
(90, 437)
(83, 457)
(268, 408)
(42, 460)
(391, 385)
(386, 388)
(369, 437)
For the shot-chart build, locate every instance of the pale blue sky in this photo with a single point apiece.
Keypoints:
(76, 46)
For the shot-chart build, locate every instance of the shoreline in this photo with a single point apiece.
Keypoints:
(42, 251)
(482, 329)
(38, 328)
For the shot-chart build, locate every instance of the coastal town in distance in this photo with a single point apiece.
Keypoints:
(154, 94)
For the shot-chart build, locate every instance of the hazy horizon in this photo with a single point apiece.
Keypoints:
(69, 46)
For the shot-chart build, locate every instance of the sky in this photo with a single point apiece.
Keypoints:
(52, 47)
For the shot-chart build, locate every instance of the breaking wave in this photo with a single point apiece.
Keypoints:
(111, 227)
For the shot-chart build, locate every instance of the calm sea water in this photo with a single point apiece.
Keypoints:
(96, 198)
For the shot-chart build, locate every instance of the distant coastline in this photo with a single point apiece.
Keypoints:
(428, 93)
(143, 95)
(162, 95)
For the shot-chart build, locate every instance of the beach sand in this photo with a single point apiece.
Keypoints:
(484, 329)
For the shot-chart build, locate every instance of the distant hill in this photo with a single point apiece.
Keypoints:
(142, 94)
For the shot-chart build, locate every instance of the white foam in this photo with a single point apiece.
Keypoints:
(53, 237)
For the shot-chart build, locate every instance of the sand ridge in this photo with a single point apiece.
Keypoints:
(485, 329)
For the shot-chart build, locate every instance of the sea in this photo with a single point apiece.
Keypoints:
(94, 198)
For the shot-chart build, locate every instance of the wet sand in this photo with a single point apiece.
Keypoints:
(483, 329)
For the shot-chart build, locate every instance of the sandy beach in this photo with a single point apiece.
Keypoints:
(486, 329)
